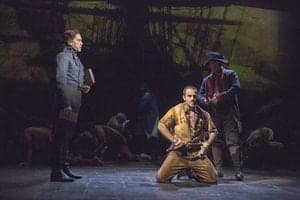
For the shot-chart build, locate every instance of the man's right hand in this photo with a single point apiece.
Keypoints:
(176, 144)
(177, 141)
(203, 101)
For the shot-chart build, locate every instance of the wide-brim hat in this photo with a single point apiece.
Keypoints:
(216, 56)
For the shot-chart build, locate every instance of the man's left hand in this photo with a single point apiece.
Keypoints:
(203, 149)
(205, 145)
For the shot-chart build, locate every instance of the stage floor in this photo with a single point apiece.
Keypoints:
(137, 181)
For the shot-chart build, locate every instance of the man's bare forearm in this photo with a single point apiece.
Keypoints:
(211, 138)
(165, 132)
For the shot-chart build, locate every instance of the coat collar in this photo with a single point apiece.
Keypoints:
(69, 49)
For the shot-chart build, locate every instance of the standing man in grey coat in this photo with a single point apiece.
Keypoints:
(69, 87)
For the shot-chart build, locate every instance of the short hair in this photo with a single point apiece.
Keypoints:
(70, 34)
(188, 87)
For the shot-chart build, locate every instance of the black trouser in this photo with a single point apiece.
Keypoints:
(63, 133)
(64, 129)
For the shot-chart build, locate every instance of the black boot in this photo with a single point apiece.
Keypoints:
(239, 176)
(58, 176)
(235, 156)
(220, 172)
(69, 173)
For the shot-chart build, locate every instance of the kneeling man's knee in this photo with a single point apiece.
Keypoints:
(161, 179)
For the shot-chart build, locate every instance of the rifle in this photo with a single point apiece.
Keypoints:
(192, 146)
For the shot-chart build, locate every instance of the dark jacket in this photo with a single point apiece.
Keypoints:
(229, 86)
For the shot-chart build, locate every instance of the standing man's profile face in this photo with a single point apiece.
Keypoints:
(214, 66)
(76, 43)
(190, 97)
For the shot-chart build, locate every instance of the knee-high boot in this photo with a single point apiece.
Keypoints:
(235, 156)
(217, 153)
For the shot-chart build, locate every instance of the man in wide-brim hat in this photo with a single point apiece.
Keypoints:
(216, 56)
(218, 94)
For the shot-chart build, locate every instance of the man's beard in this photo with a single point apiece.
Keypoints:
(188, 107)
(192, 104)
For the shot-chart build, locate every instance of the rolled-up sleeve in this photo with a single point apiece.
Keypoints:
(168, 119)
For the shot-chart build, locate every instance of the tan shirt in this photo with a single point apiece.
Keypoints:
(186, 124)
